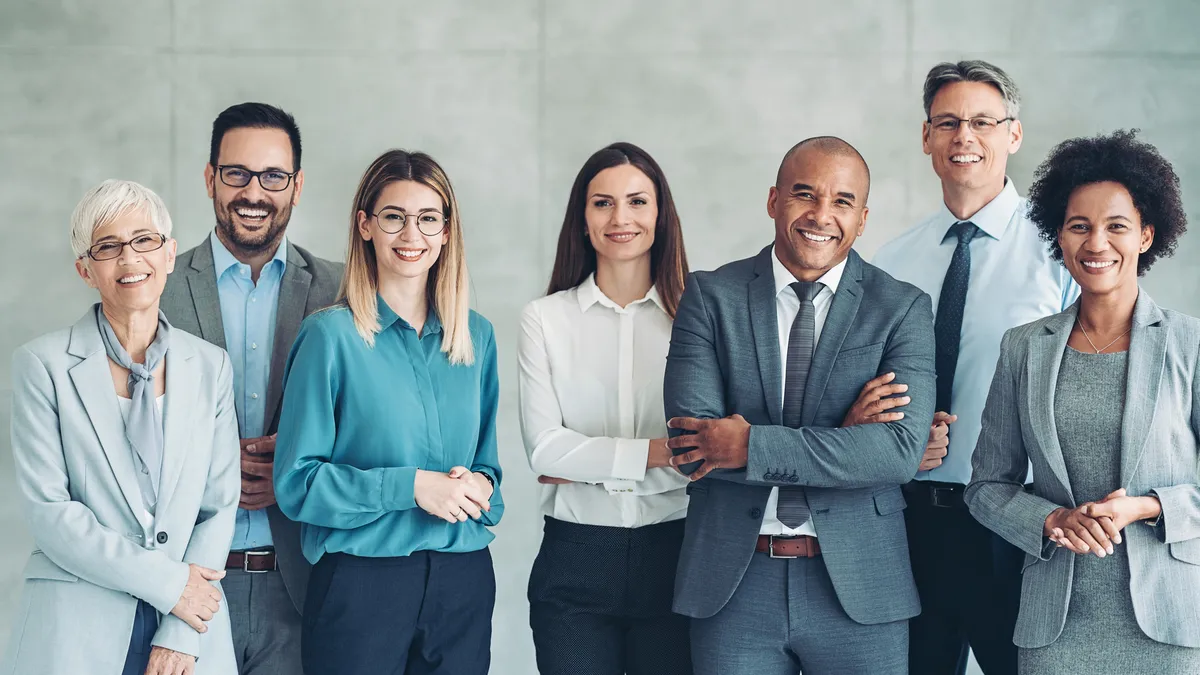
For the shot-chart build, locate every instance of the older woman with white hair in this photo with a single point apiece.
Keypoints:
(125, 442)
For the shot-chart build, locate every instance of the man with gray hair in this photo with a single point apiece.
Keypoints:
(982, 260)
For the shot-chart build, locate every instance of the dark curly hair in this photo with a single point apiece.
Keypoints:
(1120, 158)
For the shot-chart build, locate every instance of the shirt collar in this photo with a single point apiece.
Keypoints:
(588, 294)
(223, 259)
(992, 219)
(387, 317)
(784, 279)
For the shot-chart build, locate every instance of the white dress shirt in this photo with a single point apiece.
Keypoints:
(590, 385)
(1013, 281)
(787, 306)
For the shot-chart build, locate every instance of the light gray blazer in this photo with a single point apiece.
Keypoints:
(1158, 456)
(192, 303)
(75, 474)
(725, 359)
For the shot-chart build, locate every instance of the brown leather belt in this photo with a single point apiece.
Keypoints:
(254, 562)
(802, 546)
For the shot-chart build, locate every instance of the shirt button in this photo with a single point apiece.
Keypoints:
(245, 271)
(253, 395)
(253, 345)
(253, 299)
(162, 537)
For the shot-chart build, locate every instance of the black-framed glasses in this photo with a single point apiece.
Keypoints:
(392, 220)
(143, 243)
(272, 180)
(980, 124)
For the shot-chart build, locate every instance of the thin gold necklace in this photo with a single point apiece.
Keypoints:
(1093, 344)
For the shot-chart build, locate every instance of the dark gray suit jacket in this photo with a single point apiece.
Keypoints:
(1159, 456)
(724, 359)
(191, 303)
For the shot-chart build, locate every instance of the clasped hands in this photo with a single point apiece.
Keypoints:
(1095, 527)
(454, 496)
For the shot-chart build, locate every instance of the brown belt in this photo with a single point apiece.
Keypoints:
(255, 562)
(802, 546)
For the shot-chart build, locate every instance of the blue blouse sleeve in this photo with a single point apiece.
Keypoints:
(309, 487)
(487, 459)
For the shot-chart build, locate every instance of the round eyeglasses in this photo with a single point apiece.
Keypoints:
(143, 243)
(272, 180)
(392, 220)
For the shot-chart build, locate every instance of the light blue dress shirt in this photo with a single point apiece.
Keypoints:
(358, 422)
(248, 314)
(1013, 281)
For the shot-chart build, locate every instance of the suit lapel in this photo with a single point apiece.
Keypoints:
(202, 282)
(1045, 358)
(1147, 358)
(292, 308)
(837, 325)
(764, 323)
(183, 381)
(93, 383)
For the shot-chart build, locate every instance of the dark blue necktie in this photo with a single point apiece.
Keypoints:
(792, 509)
(947, 326)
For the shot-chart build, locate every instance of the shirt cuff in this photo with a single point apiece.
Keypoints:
(618, 487)
(396, 492)
(629, 461)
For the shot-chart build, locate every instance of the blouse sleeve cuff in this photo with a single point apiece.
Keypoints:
(397, 493)
(629, 460)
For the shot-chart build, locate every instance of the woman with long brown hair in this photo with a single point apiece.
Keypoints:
(592, 355)
(386, 452)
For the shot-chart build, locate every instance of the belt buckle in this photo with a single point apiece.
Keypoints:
(936, 493)
(246, 561)
(771, 551)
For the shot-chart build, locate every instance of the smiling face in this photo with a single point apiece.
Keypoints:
(964, 158)
(621, 213)
(819, 208)
(1102, 237)
(250, 218)
(406, 254)
(133, 281)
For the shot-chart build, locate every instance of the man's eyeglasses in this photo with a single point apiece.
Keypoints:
(143, 243)
(272, 180)
(392, 220)
(982, 124)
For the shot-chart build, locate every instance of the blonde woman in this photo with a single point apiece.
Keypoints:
(386, 452)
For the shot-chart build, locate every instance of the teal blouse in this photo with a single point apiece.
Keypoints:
(358, 422)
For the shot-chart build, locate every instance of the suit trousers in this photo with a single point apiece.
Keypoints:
(428, 613)
(969, 579)
(266, 626)
(145, 624)
(600, 601)
(785, 618)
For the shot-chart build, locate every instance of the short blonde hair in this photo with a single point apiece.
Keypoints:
(448, 288)
(108, 201)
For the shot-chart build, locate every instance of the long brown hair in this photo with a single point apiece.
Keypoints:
(448, 287)
(576, 257)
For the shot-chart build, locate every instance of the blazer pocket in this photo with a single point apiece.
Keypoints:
(1186, 551)
(41, 567)
(889, 501)
(874, 351)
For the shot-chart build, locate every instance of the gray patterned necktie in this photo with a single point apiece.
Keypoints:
(792, 509)
(947, 325)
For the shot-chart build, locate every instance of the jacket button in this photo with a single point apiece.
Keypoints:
(756, 512)
(793, 478)
(161, 538)
(767, 476)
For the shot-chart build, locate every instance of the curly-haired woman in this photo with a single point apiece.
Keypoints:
(1102, 400)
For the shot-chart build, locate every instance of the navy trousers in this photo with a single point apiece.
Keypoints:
(145, 624)
(427, 613)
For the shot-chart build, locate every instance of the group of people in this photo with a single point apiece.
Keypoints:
(248, 459)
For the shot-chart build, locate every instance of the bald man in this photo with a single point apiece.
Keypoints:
(784, 399)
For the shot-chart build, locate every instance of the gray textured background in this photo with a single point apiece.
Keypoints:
(512, 97)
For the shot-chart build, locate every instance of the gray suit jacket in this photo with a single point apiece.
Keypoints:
(80, 494)
(1158, 456)
(724, 359)
(192, 303)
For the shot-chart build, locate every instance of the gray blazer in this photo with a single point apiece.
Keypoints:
(192, 303)
(79, 490)
(724, 359)
(1158, 456)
